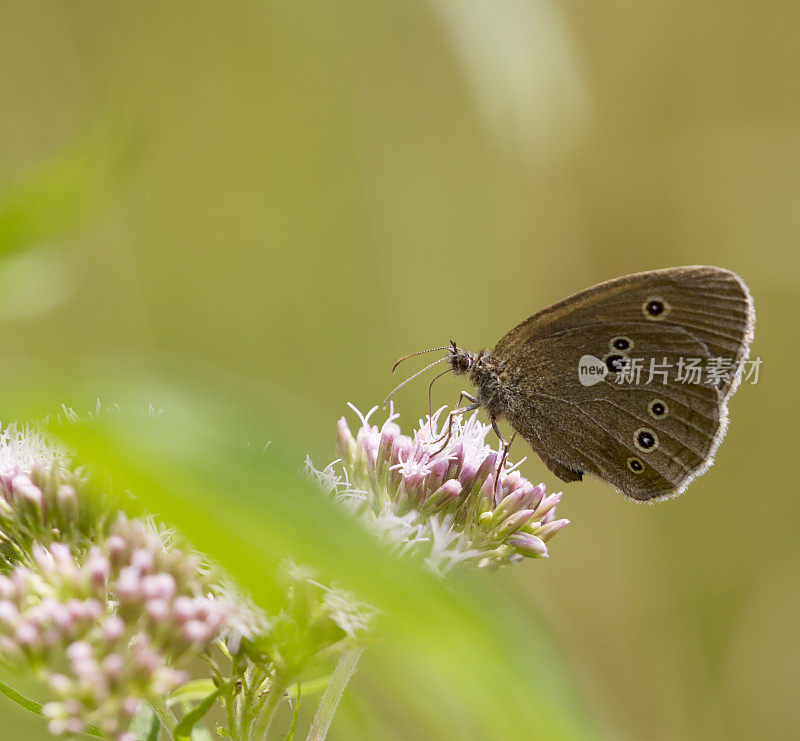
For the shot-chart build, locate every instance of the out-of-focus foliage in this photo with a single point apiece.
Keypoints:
(316, 189)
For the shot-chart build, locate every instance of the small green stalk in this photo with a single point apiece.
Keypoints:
(333, 693)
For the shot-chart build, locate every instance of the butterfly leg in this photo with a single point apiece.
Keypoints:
(468, 397)
(458, 410)
(446, 437)
(497, 431)
(504, 456)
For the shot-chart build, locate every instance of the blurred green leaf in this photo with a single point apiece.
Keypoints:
(61, 192)
(192, 691)
(453, 647)
(20, 699)
(155, 729)
(35, 282)
(36, 707)
(183, 730)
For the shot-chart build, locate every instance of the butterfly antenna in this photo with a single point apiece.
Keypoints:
(411, 378)
(430, 390)
(421, 352)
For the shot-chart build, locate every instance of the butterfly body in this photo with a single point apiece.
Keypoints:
(648, 439)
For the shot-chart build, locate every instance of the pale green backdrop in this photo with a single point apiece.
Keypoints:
(288, 196)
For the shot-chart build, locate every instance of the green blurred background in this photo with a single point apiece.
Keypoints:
(287, 196)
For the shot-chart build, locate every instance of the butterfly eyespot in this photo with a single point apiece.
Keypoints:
(658, 409)
(635, 465)
(646, 440)
(615, 363)
(655, 308)
(621, 343)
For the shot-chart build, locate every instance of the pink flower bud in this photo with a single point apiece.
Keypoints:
(7, 590)
(402, 450)
(527, 544)
(20, 577)
(511, 482)
(113, 665)
(57, 726)
(79, 650)
(456, 460)
(142, 561)
(486, 493)
(467, 477)
(113, 629)
(196, 632)
(75, 726)
(97, 567)
(62, 556)
(117, 549)
(62, 618)
(73, 706)
(76, 610)
(9, 614)
(27, 634)
(86, 669)
(91, 609)
(514, 522)
(157, 610)
(128, 587)
(158, 586)
(50, 637)
(548, 530)
(487, 467)
(66, 498)
(130, 705)
(547, 504)
(384, 456)
(60, 685)
(538, 495)
(438, 471)
(21, 485)
(145, 658)
(508, 505)
(184, 608)
(10, 649)
(447, 494)
(42, 557)
(345, 442)
(528, 495)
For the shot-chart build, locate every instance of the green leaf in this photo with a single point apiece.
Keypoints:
(155, 729)
(20, 699)
(183, 731)
(192, 691)
(484, 661)
(61, 193)
(309, 687)
(36, 707)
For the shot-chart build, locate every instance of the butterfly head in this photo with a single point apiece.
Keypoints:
(461, 361)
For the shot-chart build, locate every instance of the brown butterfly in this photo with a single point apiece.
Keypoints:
(599, 383)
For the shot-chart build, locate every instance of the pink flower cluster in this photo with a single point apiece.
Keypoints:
(443, 490)
(110, 628)
(39, 501)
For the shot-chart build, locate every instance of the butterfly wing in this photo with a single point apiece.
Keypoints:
(711, 303)
(649, 434)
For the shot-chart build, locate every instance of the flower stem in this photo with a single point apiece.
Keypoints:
(333, 693)
(168, 721)
(261, 728)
